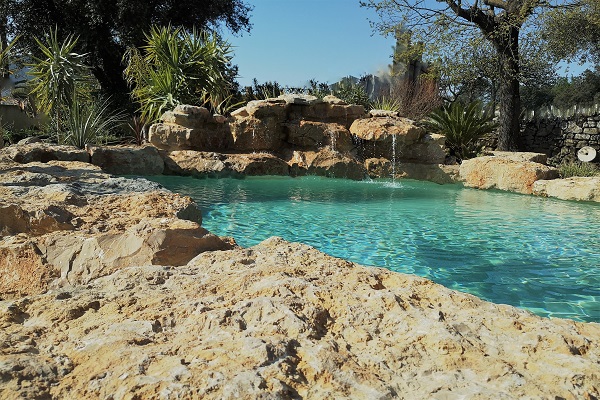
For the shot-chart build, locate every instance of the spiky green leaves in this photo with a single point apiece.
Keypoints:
(175, 67)
(57, 73)
(462, 126)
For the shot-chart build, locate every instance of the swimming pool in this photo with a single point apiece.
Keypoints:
(535, 253)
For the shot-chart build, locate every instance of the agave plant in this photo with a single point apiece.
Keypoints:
(90, 123)
(462, 126)
(387, 103)
(176, 66)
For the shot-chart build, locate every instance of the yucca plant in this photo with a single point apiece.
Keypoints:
(462, 126)
(387, 104)
(175, 67)
(90, 123)
(56, 75)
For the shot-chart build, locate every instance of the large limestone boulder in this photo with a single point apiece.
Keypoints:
(44, 152)
(59, 260)
(194, 163)
(314, 135)
(129, 160)
(258, 134)
(438, 173)
(576, 188)
(540, 158)
(430, 149)
(190, 128)
(504, 173)
(398, 139)
(293, 120)
(382, 129)
(326, 162)
(282, 320)
(65, 223)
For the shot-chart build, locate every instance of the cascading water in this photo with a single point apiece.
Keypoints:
(332, 139)
(393, 158)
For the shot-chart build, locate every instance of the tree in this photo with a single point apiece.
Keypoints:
(177, 67)
(573, 33)
(106, 28)
(456, 27)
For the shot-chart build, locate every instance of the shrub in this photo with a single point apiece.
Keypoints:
(576, 168)
(90, 123)
(415, 99)
(462, 126)
(352, 93)
(177, 67)
(387, 103)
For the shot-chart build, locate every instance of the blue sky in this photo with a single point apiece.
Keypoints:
(292, 41)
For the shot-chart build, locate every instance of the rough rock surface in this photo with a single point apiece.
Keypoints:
(398, 139)
(577, 188)
(504, 173)
(195, 163)
(326, 162)
(43, 152)
(521, 156)
(127, 160)
(64, 223)
(438, 173)
(284, 321)
(190, 127)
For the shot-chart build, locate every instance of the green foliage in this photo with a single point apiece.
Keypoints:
(318, 89)
(6, 57)
(262, 91)
(462, 126)
(572, 32)
(56, 75)
(106, 28)
(137, 129)
(352, 93)
(569, 169)
(387, 103)
(90, 123)
(565, 92)
(177, 67)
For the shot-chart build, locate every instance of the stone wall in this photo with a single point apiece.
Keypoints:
(561, 138)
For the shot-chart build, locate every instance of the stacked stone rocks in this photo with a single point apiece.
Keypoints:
(561, 138)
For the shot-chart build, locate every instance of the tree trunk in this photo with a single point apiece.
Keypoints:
(508, 91)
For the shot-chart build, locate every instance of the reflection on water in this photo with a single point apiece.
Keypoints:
(536, 253)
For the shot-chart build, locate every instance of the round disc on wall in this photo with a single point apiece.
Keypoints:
(586, 154)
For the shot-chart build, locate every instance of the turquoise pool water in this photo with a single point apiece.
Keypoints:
(539, 254)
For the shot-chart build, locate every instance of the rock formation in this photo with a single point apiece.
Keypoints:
(68, 222)
(576, 188)
(397, 139)
(190, 128)
(282, 320)
(514, 172)
(110, 288)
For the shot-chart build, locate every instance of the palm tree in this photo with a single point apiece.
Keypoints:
(177, 67)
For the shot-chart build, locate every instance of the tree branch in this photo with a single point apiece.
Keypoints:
(496, 3)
